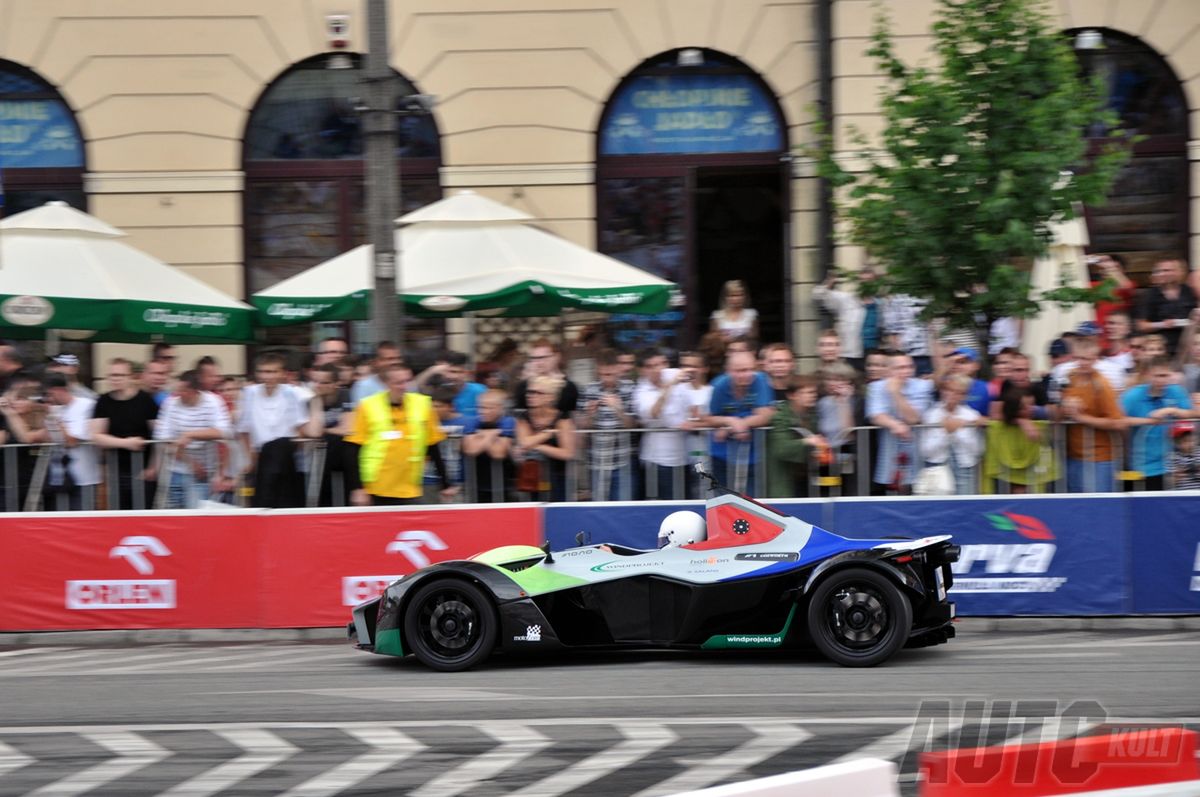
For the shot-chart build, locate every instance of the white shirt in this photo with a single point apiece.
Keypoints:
(76, 420)
(266, 418)
(739, 328)
(936, 443)
(207, 413)
(848, 312)
(668, 449)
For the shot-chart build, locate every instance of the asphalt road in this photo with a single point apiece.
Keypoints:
(320, 718)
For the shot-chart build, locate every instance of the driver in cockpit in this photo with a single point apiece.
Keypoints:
(678, 528)
(682, 528)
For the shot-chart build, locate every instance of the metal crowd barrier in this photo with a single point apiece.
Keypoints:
(597, 473)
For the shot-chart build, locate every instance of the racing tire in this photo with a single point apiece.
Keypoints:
(858, 617)
(451, 625)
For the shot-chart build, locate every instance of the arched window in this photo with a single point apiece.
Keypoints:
(691, 184)
(1146, 215)
(41, 147)
(305, 196)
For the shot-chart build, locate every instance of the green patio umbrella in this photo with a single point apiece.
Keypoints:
(468, 254)
(61, 269)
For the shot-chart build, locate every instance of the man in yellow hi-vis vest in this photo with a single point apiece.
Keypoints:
(395, 429)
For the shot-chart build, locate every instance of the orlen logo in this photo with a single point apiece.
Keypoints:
(1002, 567)
(356, 589)
(127, 593)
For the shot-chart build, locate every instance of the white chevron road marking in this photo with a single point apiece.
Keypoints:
(699, 773)
(263, 751)
(641, 739)
(133, 753)
(902, 741)
(518, 743)
(389, 747)
(12, 759)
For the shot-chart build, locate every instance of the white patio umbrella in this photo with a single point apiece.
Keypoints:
(61, 269)
(468, 254)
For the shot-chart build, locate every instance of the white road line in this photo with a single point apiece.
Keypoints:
(133, 753)
(517, 743)
(64, 660)
(256, 660)
(389, 747)
(31, 651)
(699, 773)
(641, 739)
(136, 663)
(899, 743)
(263, 751)
(12, 759)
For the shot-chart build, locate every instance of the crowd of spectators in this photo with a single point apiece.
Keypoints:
(893, 405)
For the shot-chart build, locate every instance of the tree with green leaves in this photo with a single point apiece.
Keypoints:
(980, 155)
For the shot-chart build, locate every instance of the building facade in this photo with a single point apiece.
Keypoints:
(670, 133)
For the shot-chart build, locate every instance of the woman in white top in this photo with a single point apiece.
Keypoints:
(952, 437)
(735, 318)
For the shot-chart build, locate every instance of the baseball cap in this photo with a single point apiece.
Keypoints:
(1088, 329)
(1058, 348)
(65, 359)
(1182, 427)
(968, 353)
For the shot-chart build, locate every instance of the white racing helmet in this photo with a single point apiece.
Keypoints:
(682, 528)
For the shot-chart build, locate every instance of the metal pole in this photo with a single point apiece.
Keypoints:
(379, 127)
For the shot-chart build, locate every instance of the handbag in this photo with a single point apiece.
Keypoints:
(934, 480)
(529, 476)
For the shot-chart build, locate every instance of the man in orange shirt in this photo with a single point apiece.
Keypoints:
(395, 430)
(1090, 404)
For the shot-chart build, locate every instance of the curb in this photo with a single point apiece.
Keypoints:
(164, 636)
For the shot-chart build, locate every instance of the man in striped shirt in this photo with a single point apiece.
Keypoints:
(193, 420)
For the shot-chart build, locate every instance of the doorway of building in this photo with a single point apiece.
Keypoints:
(738, 233)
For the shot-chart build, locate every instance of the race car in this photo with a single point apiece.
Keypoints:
(742, 576)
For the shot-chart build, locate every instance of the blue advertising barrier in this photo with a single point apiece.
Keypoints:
(1049, 555)
(1165, 542)
(1019, 556)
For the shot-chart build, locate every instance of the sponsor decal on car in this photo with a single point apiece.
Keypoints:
(1009, 567)
(533, 633)
(610, 567)
(126, 593)
(768, 556)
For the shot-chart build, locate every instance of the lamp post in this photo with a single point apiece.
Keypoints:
(379, 109)
(379, 128)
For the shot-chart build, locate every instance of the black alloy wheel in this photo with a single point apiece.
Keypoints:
(450, 625)
(859, 617)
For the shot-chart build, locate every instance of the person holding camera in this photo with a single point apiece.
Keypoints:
(664, 402)
(23, 425)
(73, 466)
(1165, 306)
(608, 409)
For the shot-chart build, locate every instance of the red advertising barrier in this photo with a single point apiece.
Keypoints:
(1121, 758)
(253, 569)
(316, 565)
(129, 570)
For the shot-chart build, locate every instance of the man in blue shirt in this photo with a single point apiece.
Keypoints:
(896, 404)
(450, 371)
(741, 402)
(1151, 408)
